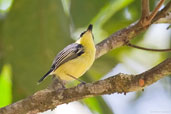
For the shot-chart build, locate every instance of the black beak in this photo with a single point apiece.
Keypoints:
(90, 27)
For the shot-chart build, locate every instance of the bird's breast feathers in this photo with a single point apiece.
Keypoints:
(78, 66)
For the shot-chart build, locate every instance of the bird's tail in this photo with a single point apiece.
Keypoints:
(41, 79)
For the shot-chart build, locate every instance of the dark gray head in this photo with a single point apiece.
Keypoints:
(90, 28)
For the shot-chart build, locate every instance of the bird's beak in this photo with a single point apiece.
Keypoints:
(90, 27)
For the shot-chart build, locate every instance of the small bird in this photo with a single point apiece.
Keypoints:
(75, 59)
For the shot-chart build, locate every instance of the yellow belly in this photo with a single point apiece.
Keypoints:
(76, 67)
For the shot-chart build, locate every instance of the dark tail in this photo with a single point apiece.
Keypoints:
(41, 79)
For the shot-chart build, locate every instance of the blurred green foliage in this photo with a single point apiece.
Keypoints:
(32, 34)
(5, 5)
(5, 86)
(97, 105)
(33, 31)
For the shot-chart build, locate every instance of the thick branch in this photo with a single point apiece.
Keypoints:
(121, 37)
(166, 19)
(163, 13)
(122, 83)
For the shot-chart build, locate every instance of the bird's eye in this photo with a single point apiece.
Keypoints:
(82, 34)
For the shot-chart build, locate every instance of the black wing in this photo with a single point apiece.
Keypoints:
(68, 53)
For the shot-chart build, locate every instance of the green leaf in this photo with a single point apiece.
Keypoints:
(5, 86)
(83, 11)
(33, 33)
(109, 10)
(122, 18)
(97, 105)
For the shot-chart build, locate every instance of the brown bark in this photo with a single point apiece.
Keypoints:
(122, 37)
(121, 83)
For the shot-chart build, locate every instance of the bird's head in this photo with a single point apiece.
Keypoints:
(88, 33)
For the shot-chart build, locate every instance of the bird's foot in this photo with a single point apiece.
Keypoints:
(82, 83)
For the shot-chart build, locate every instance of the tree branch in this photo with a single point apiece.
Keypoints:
(121, 83)
(166, 19)
(153, 14)
(148, 49)
(163, 13)
(121, 37)
(144, 9)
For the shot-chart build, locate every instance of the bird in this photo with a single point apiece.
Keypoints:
(75, 59)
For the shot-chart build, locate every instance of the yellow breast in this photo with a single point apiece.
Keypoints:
(76, 67)
(79, 65)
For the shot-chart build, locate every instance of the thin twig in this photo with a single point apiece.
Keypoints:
(155, 11)
(144, 9)
(163, 13)
(148, 49)
(168, 27)
(146, 19)
(118, 38)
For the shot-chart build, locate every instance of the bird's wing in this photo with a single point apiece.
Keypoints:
(68, 53)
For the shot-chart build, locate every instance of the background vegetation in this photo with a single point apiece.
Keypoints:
(33, 31)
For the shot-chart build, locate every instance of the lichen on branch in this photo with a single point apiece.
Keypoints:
(121, 83)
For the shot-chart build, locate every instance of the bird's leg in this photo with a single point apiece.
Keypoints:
(57, 83)
(82, 82)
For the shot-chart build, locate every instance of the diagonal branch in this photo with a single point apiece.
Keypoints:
(163, 13)
(153, 14)
(166, 19)
(146, 18)
(121, 37)
(121, 83)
